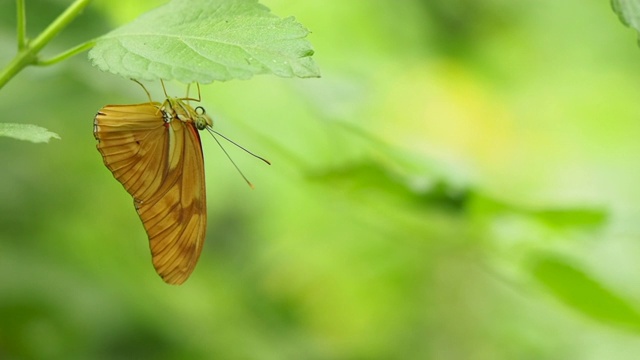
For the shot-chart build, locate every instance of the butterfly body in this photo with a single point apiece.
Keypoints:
(154, 150)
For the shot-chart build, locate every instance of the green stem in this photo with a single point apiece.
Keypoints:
(21, 24)
(21, 60)
(67, 54)
(58, 24)
(29, 54)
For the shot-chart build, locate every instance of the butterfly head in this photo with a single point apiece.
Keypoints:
(202, 120)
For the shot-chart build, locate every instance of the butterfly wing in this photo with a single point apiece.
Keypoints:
(161, 165)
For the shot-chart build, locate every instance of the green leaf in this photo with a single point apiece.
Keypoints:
(372, 177)
(27, 132)
(628, 11)
(572, 217)
(586, 218)
(585, 294)
(204, 41)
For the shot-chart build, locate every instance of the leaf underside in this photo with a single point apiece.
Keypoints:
(205, 41)
(628, 11)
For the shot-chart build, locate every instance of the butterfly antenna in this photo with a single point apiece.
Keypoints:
(240, 146)
(212, 132)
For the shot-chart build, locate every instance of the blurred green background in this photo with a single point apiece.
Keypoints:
(461, 183)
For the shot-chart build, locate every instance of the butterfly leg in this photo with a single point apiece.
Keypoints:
(145, 89)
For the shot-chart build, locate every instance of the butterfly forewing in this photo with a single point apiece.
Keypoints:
(158, 159)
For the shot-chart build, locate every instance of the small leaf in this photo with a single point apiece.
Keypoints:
(27, 132)
(204, 41)
(585, 294)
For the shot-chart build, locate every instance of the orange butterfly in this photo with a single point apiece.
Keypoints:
(154, 150)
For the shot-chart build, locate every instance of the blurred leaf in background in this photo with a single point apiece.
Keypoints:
(461, 183)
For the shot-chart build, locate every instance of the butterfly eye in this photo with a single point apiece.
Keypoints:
(201, 122)
(201, 119)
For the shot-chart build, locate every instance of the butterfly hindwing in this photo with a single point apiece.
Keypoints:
(158, 159)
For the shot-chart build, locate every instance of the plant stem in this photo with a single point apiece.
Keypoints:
(28, 55)
(21, 17)
(58, 24)
(21, 60)
(67, 54)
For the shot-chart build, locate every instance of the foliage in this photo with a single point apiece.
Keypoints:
(460, 184)
(204, 41)
(603, 304)
(191, 41)
(628, 11)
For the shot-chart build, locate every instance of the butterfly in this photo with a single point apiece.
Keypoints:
(154, 150)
